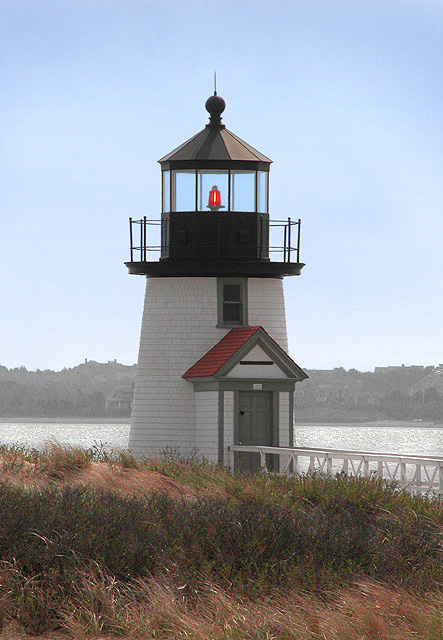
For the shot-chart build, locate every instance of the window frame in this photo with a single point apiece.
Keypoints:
(243, 282)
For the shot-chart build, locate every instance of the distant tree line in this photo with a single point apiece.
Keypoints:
(338, 395)
(82, 391)
(101, 390)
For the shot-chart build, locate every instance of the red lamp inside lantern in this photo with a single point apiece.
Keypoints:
(214, 202)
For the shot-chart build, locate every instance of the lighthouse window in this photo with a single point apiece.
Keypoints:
(166, 191)
(212, 190)
(242, 190)
(232, 302)
(183, 191)
(262, 192)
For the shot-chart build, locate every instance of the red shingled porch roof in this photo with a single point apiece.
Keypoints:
(214, 359)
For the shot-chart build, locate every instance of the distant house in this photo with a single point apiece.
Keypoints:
(342, 390)
(120, 403)
(398, 368)
(433, 380)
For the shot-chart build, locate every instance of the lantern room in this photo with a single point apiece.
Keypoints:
(215, 170)
(215, 211)
(215, 195)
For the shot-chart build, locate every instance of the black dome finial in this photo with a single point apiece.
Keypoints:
(215, 105)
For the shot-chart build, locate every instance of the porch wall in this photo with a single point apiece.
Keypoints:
(206, 424)
(283, 440)
(228, 403)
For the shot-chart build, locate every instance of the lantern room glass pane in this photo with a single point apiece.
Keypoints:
(207, 179)
(262, 192)
(183, 190)
(166, 191)
(242, 190)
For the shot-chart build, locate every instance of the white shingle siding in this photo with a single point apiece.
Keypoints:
(266, 307)
(179, 326)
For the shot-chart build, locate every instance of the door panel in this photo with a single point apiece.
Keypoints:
(254, 426)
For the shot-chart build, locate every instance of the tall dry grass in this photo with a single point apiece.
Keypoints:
(94, 543)
(149, 609)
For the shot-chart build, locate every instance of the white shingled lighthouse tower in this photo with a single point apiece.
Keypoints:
(213, 367)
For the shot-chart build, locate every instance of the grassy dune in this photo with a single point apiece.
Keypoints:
(96, 544)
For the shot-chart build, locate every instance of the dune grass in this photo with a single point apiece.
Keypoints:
(150, 609)
(206, 554)
(57, 460)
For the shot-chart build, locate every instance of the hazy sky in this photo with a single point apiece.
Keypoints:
(344, 96)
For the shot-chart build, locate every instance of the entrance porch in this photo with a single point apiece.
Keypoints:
(244, 395)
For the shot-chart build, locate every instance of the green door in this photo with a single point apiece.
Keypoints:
(254, 426)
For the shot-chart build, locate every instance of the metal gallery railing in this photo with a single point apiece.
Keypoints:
(145, 239)
(419, 474)
(291, 232)
(139, 247)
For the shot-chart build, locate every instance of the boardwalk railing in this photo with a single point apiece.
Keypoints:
(420, 474)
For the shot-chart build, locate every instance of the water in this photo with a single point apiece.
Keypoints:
(401, 437)
(396, 437)
(35, 434)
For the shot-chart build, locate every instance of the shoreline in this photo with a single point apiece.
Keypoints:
(388, 424)
(391, 424)
(91, 420)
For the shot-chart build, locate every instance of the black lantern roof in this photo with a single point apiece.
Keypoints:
(215, 147)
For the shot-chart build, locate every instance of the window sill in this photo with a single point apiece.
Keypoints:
(231, 326)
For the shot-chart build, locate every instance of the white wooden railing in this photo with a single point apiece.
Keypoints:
(420, 474)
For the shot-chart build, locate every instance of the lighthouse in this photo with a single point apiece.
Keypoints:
(213, 367)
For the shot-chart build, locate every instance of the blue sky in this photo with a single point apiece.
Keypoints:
(345, 97)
